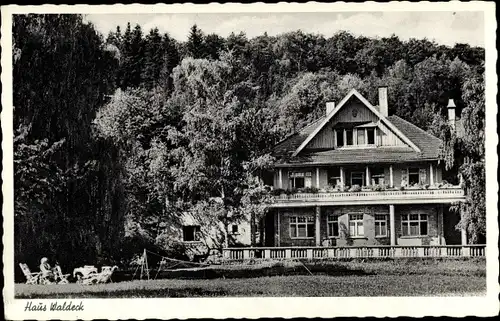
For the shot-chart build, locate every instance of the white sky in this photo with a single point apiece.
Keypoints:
(445, 27)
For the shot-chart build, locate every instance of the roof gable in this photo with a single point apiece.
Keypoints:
(342, 103)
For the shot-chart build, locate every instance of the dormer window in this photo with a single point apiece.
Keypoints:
(340, 137)
(363, 135)
(349, 141)
(370, 136)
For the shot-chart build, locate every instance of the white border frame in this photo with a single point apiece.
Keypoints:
(487, 305)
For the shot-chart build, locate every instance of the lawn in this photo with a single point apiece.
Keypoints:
(387, 278)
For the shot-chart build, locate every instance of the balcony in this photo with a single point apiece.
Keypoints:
(366, 197)
(382, 251)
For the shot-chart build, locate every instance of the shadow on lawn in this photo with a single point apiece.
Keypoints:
(244, 273)
(134, 293)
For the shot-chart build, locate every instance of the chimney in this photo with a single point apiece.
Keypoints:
(329, 107)
(383, 105)
(451, 113)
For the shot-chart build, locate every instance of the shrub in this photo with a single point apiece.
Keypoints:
(331, 188)
(378, 188)
(355, 188)
(277, 192)
(313, 190)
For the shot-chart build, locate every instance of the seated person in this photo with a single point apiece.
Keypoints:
(46, 270)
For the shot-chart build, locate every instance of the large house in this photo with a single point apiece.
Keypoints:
(358, 176)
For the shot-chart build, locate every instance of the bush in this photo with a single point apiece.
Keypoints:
(313, 190)
(378, 188)
(277, 191)
(355, 188)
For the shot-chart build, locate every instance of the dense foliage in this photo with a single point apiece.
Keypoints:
(190, 124)
(69, 197)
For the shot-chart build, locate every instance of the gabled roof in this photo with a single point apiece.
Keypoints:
(372, 108)
(428, 145)
(292, 142)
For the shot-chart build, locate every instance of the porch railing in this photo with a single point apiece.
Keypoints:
(437, 193)
(383, 251)
(451, 194)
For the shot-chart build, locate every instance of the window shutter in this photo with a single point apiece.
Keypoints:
(404, 177)
(422, 175)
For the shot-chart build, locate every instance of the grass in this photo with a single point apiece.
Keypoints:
(354, 278)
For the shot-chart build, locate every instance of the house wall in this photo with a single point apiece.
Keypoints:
(434, 219)
(242, 236)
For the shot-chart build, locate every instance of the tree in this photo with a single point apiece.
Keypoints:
(256, 197)
(473, 210)
(138, 121)
(153, 58)
(67, 182)
(195, 45)
(341, 51)
(133, 58)
(417, 50)
(305, 101)
(214, 44)
(171, 58)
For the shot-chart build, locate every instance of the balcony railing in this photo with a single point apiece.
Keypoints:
(311, 253)
(447, 195)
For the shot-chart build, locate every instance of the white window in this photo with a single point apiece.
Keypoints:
(414, 224)
(380, 225)
(301, 179)
(191, 233)
(302, 227)
(378, 176)
(334, 177)
(333, 225)
(356, 225)
(413, 176)
(361, 136)
(357, 178)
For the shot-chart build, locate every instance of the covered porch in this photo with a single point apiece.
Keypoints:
(355, 225)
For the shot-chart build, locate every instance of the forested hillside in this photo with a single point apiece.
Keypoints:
(117, 135)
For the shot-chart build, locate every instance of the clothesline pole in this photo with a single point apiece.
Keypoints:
(146, 263)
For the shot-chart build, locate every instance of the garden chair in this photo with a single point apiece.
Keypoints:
(105, 275)
(31, 278)
(85, 275)
(91, 279)
(59, 276)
